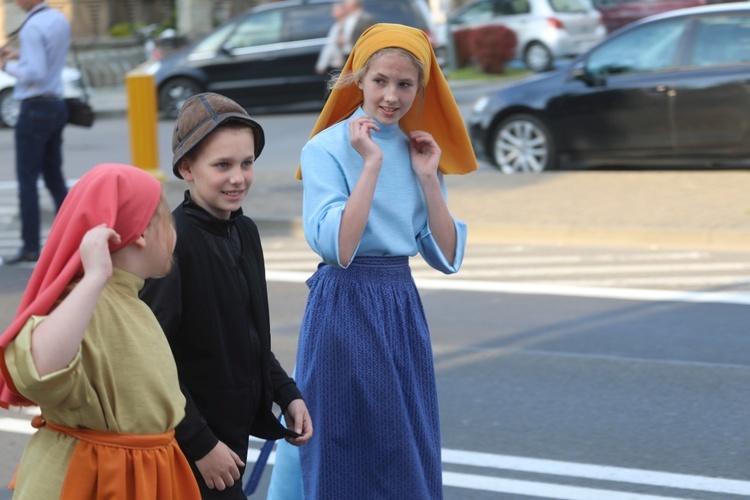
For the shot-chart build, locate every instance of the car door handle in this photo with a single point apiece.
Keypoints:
(664, 89)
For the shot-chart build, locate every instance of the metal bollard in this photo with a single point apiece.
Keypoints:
(142, 122)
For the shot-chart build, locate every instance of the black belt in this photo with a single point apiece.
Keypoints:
(45, 97)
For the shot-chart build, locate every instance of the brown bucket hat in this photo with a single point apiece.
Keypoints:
(200, 115)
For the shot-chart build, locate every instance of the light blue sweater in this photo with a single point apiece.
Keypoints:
(397, 224)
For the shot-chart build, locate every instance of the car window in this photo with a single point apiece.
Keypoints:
(399, 12)
(308, 22)
(721, 40)
(571, 6)
(509, 7)
(651, 47)
(259, 29)
(483, 11)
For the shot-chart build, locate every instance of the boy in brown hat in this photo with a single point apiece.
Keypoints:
(213, 305)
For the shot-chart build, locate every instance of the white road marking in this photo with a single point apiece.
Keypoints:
(531, 465)
(598, 472)
(548, 289)
(539, 489)
(567, 469)
(683, 268)
(16, 425)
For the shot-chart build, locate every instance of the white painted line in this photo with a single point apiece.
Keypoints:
(663, 281)
(532, 465)
(513, 486)
(638, 294)
(470, 260)
(13, 185)
(598, 472)
(542, 490)
(16, 425)
(683, 268)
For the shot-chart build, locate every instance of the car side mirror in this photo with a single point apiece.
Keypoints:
(582, 73)
(225, 48)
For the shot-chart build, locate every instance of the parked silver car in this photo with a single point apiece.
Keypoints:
(545, 29)
(9, 107)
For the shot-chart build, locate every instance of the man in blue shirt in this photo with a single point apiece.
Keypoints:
(44, 39)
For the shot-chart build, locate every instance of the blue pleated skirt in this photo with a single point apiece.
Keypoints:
(365, 368)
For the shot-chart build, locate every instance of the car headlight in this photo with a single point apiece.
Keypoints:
(480, 104)
(149, 67)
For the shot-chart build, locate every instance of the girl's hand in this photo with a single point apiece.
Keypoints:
(425, 153)
(94, 249)
(359, 132)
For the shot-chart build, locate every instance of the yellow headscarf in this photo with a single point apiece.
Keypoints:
(438, 114)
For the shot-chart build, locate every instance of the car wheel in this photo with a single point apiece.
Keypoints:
(9, 108)
(522, 143)
(174, 93)
(537, 57)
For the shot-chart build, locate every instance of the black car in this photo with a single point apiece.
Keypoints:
(265, 58)
(672, 89)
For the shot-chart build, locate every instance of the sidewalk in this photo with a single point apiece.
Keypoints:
(682, 209)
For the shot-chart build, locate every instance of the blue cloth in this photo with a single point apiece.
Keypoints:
(44, 42)
(38, 136)
(364, 360)
(397, 224)
(365, 366)
(286, 476)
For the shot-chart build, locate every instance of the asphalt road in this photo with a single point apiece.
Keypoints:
(543, 394)
(536, 388)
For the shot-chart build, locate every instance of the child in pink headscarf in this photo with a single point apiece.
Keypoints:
(91, 354)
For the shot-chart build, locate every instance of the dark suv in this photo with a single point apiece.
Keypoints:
(265, 58)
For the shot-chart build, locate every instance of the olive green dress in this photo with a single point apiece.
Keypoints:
(123, 380)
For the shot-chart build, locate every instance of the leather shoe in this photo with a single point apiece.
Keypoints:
(22, 256)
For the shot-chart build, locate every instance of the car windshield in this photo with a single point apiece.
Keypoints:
(571, 6)
(260, 29)
(213, 41)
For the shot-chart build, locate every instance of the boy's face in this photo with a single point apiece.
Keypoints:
(221, 172)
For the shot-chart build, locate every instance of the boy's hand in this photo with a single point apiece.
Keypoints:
(220, 467)
(298, 419)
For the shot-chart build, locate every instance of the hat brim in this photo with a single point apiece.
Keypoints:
(209, 125)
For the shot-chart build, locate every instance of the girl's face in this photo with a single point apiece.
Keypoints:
(221, 172)
(389, 87)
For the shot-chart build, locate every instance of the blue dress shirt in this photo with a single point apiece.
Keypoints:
(44, 42)
(397, 224)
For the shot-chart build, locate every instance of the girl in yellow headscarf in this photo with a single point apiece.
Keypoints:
(374, 196)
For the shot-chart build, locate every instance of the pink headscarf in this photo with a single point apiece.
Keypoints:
(122, 197)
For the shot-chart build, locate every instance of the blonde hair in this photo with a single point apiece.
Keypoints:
(344, 79)
(162, 224)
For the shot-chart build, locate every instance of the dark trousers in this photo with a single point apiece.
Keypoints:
(39, 152)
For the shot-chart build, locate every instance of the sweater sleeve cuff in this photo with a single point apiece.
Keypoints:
(286, 394)
(198, 444)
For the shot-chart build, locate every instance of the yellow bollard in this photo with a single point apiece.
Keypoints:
(142, 121)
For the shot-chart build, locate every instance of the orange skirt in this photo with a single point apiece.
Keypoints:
(127, 466)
